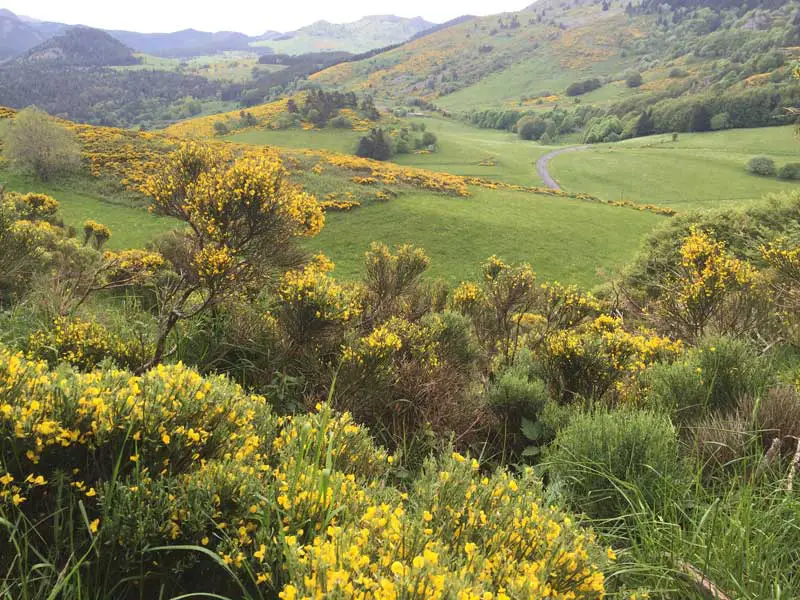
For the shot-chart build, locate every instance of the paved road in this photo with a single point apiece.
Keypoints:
(544, 172)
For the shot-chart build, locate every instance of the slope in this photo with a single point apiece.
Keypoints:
(530, 60)
(80, 46)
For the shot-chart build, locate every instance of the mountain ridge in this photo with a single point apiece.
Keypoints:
(20, 33)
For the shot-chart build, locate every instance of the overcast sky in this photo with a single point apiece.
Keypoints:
(247, 16)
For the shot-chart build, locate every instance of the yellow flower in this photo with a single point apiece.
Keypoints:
(94, 525)
(165, 439)
(259, 554)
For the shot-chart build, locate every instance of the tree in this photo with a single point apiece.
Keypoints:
(37, 142)
(376, 145)
(763, 166)
(242, 217)
(634, 80)
(531, 128)
(645, 125)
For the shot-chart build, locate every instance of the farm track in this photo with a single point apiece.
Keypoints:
(542, 165)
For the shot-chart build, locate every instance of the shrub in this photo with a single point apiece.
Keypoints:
(720, 121)
(517, 395)
(35, 141)
(583, 87)
(763, 166)
(429, 139)
(83, 344)
(713, 377)
(634, 80)
(531, 128)
(220, 128)
(130, 464)
(604, 458)
(790, 171)
(341, 122)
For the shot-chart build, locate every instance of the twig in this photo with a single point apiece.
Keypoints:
(706, 587)
(769, 457)
(793, 466)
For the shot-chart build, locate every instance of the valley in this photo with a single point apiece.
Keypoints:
(473, 305)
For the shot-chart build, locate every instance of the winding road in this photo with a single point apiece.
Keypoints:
(544, 161)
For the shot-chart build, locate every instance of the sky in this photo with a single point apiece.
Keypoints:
(246, 16)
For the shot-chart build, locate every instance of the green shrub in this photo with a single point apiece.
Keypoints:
(720, 121)
(429, 139)
(603, 459)
(220, 128)
(763, 166)
(531, 128)
(517, 396)
(713, 377)
(340, 122)
(634, 80)
(790, 171)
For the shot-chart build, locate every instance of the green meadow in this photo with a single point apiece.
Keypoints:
(81, 198)
(700, 170)
(566, 240)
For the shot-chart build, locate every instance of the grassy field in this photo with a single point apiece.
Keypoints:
(462, 149)
(81, 198)
(701, 170)
(539, 76)
(565, 240)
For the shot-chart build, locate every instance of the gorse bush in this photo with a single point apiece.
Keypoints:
(602, 457)
(202, 486)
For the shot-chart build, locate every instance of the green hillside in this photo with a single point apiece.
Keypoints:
(639, 55)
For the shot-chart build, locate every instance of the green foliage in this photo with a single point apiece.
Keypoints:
(376, 145)
(763, 166)
(35, 141)
(634, 79)
(790, 171)
(583, 87)
(713, 377)
(515, 397)
(601, 456)
(531, 128)
(720, 121)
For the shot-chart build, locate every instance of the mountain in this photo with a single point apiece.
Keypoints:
(188, 42)
(360, 36)
(80, 46)
(530, 59)
(16, 35)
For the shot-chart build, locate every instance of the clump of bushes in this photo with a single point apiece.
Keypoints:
(762, 166)
(634, 79)
(583, 87)
(242, 502)
(790, 171)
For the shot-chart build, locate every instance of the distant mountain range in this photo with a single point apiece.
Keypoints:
(360, 36)
(18, 34)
